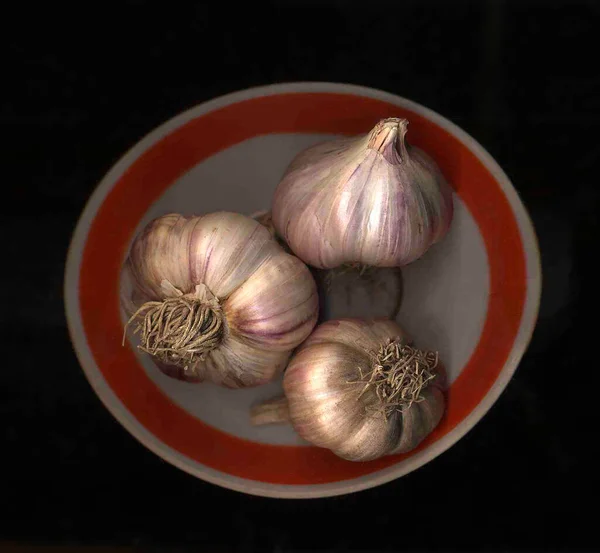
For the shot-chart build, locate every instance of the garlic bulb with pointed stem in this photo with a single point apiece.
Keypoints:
(360, 389)
(372, 200)
(216, 298)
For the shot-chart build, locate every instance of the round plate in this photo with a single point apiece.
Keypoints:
(474, 297)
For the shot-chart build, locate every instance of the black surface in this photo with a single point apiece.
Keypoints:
(83, 85)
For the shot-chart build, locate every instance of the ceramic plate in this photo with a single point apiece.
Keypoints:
(474, 297)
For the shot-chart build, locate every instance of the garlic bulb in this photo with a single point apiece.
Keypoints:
(359, 292)
(360, 389)
(372, 200)
(216, 298)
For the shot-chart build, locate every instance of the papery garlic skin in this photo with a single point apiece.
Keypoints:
(267, 298)
(329, 405)
(371, 200)
(265, 218)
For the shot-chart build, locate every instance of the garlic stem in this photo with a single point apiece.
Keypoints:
(272, 411)
(387, 138)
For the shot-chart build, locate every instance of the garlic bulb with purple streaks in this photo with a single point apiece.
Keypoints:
(371, 200)
(216, 298)
(360, 389)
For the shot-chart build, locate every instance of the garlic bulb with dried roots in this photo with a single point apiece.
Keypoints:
(216, 298)
(360, 389)
(372, 200)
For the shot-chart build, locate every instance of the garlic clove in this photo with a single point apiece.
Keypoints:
(130, 296)
(265, 218)
(372, 438)
(277, 306)
(420, 420)
(226, 249)
(385, 330)
(441, 379)
(412, 430)
(432, 407)
(349, 332)
(235, 364)
(323, 405)
(157, 255)
(355, 334)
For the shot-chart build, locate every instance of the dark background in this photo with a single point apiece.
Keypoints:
(80, 86)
